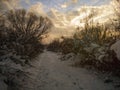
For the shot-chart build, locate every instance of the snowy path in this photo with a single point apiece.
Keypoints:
(50, 73)
(56, 75)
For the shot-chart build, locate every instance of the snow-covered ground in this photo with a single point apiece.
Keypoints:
(50, 73)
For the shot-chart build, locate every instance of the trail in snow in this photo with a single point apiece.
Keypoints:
(53, 74)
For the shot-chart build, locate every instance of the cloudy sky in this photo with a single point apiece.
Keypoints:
(63, 5)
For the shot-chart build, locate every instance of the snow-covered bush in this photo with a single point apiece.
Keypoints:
(92, 44)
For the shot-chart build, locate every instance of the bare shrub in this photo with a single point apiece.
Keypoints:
(24, 30)
(94, 48)
(54, 46)
(67, 46)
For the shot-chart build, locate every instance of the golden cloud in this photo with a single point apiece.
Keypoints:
(74, 1)
(38, 9)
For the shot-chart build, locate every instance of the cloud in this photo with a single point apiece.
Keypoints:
(74, 1)
(65, 5)
(9, 4)
(27, 1)
(100, 2)
(38, 9)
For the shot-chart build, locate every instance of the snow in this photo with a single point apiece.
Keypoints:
(50, 73)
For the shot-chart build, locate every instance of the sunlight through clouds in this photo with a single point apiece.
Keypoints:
(65, 13)
(64, 5)
(38, 8)
(74, 1)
